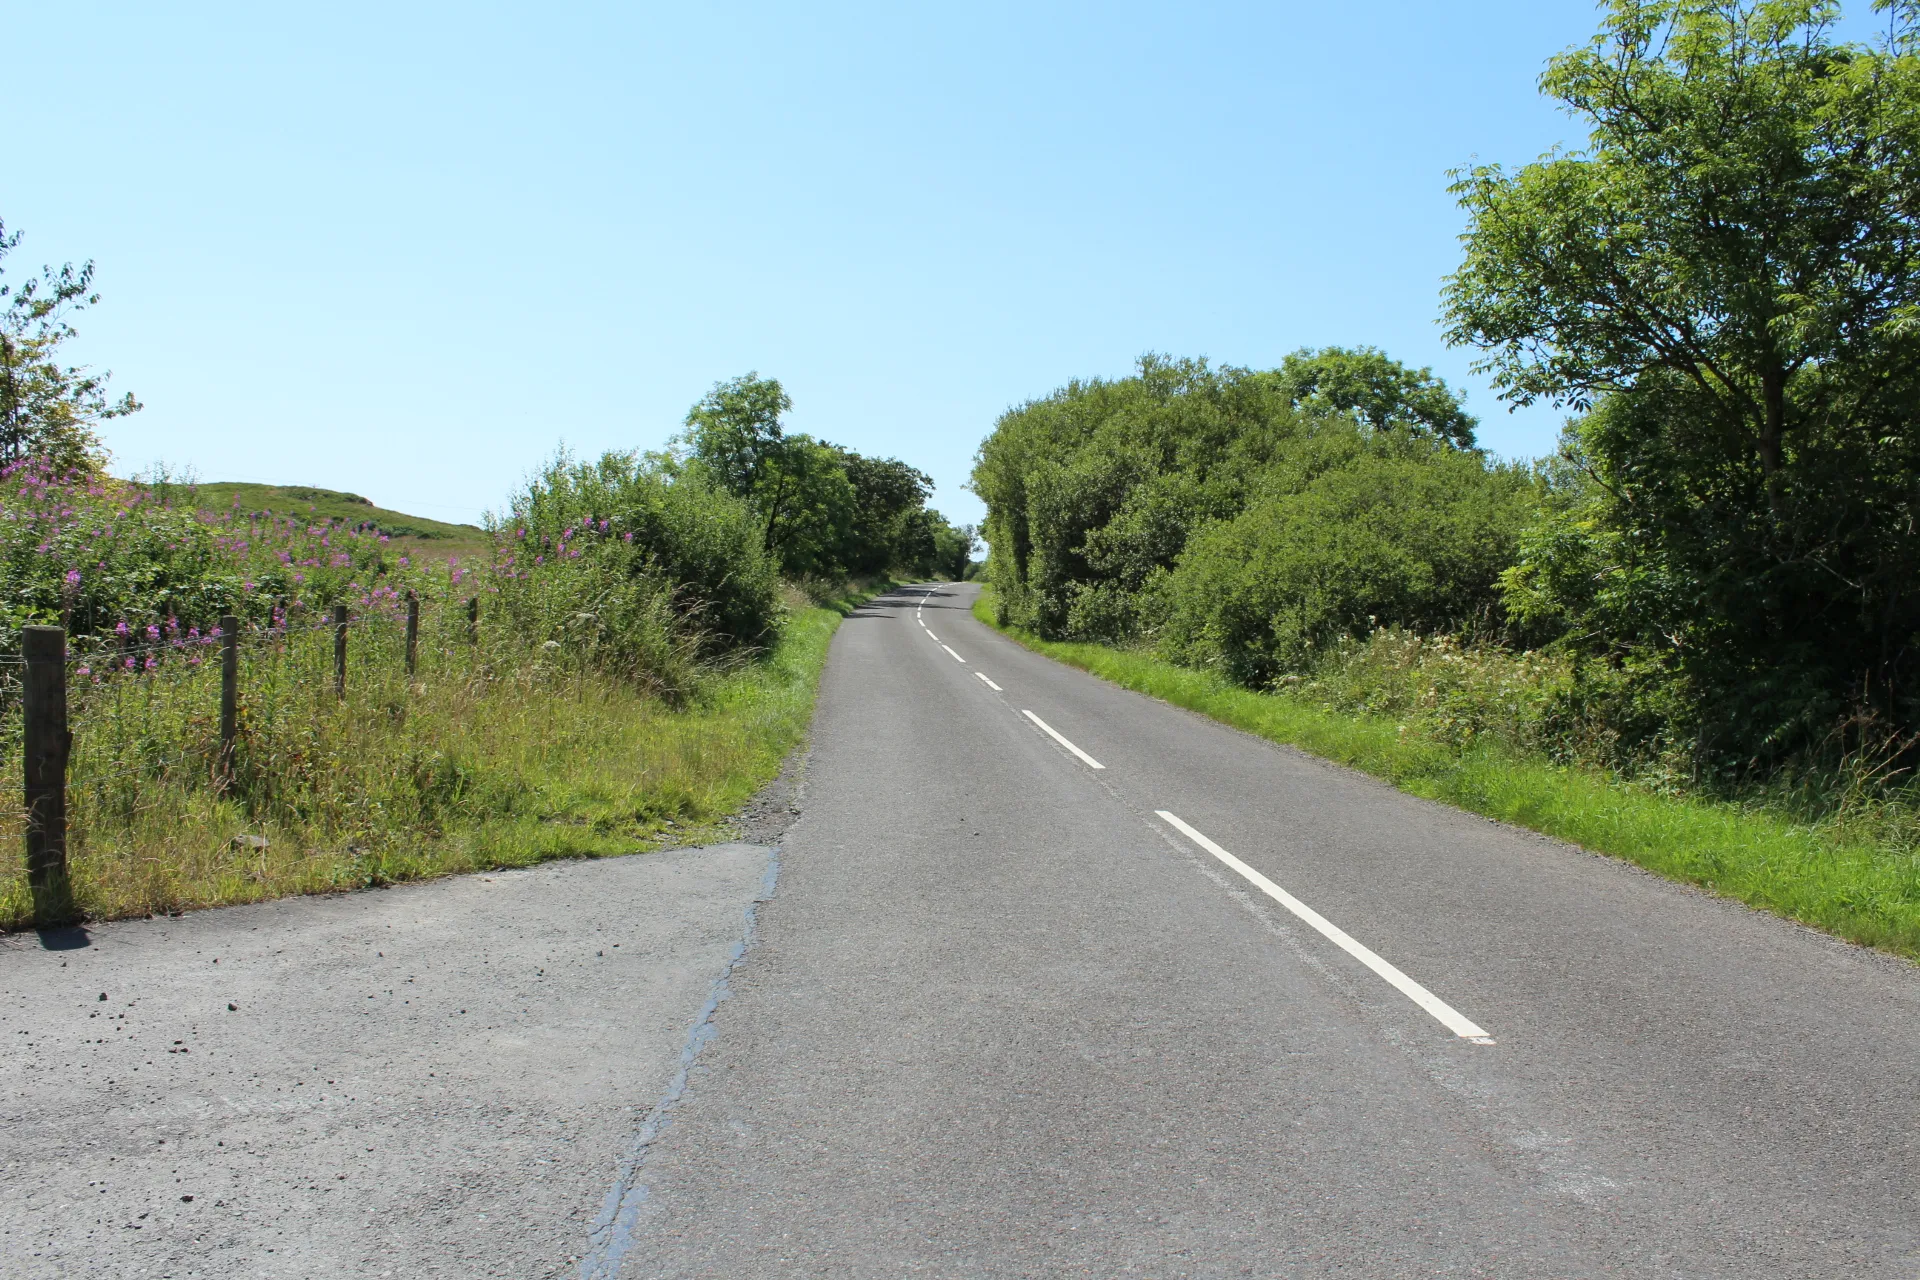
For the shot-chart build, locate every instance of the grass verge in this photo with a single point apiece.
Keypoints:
(468, 768)
(1862, 890)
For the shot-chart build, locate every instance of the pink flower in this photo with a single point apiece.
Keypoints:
(73, 577)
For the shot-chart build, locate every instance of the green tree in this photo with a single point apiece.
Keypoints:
(809, 508)
(823, 510)
(1728, 275)
(48, 409)
(1378, 390)
(887, 493)
(735, 431)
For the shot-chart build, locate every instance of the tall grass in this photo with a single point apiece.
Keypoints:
(1854, 872)
(492, 756)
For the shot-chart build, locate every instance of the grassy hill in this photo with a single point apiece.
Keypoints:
(349, 508)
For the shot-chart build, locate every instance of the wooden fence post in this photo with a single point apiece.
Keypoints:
(413, 631)
(229, 695)
(48, 745)
(340, 650)
(473, 619)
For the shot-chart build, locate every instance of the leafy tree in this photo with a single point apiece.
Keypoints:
(48, 409)
(824, 511)
(887, 494)
(809, 508)
(953, 548)
(1381, 392)
(1728, 275)
(734, 432)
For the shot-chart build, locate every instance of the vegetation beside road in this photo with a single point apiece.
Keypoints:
(616, 662)
(476, 764)
(1706, 593)
(1854, 874)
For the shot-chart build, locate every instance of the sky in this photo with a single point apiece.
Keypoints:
(408, 250)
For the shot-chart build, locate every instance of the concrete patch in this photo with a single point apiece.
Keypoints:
(434, 1080)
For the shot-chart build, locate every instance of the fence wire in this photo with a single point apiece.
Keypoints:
(145, 717)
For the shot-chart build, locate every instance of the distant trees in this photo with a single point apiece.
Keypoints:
(1726, 282)
(825, 510)
(48, 410)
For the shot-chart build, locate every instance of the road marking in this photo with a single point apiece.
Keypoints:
(990, 684)
(956, 657)
(1051, 732)
(929, 630)
(1445, 1013)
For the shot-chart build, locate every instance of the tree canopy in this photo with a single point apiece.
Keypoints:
(824, 510)
(1725, 281)
(48, 410)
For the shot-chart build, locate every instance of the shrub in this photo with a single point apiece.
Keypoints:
(642, 548)
(1395, 532)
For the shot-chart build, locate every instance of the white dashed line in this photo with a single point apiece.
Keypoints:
(990, 684)
(1051, 732)
(956, 657)
(1445, 1013)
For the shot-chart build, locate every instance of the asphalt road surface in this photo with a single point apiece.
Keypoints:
(1055, 981)
(1004, 1018)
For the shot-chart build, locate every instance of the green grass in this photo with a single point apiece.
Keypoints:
(1861, 889)
(479, 762)
(221, 496)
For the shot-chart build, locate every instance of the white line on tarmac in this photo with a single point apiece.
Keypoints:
(990, 684)
(1445, 1013)
(929, 630)
(1053, 733)
(956, 657)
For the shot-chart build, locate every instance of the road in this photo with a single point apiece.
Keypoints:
(1004, 1019)
(1048, 979)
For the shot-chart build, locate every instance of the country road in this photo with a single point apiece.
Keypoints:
(1054, 980)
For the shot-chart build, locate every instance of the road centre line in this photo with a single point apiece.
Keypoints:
(956, 657)
(1443, 1012)
(990, 684)
(1053, 733)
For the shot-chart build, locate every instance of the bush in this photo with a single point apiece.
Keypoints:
(1093, 492)
(1395, 532)
(639, 551)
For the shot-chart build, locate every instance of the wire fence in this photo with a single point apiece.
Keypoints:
(158, 725)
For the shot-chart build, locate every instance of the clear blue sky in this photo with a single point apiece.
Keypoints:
(407, 249)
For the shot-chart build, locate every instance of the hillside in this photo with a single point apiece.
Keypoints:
(330, 504)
